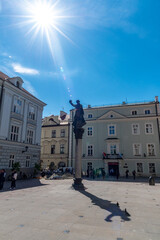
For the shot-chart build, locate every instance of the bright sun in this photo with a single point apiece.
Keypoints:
(43, 14)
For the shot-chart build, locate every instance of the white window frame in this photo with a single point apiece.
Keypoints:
(152, 128)
(54, 149)
(154, 167)
(137, 167)
(89, 131)
(13, 133)
(17, 105)
(28, 161)
(138, 129)
(62, 148)
(147, 110)
(90, 115)
(113, 146)
(112, 125)
(30, 137)
(92, 146)
(11, 160)
(148, 149)
(134, 111)
(54, 134)
(134, 149)
(63, 132)
(32, 114)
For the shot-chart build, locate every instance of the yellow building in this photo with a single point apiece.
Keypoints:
(54, 141)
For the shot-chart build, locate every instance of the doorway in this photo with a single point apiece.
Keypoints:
(113, 168)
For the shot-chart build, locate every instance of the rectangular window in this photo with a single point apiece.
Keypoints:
(62, 149)
(147, 111)
(135, 129)
(53, 133)
(30, 136)
(136, 149)
(89, 131)
(31, 112)
(11, 161)
(14, 133)
(90, 115)
(17, 106)
(151, 149)
(139, 167)
(90, 150)
(113, 149)
(52, 149)
(62, 132)
(28, 161)
(152, 168)
(134, 112)
(111, 130)
(149, 128)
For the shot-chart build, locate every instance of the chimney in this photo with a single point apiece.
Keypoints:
(156, 99)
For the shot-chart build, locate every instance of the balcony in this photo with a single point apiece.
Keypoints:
(112, 156)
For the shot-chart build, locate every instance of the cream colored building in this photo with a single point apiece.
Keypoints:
(54, 141)
(121, 137)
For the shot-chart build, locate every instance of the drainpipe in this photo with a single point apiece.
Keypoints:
(156, 108)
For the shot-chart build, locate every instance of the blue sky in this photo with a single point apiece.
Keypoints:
(99, 51)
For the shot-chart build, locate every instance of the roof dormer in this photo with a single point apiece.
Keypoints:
(17, 81)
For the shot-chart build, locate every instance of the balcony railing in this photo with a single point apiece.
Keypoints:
(113, 156)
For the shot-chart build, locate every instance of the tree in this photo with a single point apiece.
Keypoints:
(16, 167)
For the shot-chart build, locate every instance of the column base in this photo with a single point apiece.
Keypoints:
(78, 185)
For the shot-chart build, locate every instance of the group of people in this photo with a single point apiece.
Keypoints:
(133, 173)
(3, 176)
(92, 173)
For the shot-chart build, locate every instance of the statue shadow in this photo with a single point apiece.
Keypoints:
(109, 206)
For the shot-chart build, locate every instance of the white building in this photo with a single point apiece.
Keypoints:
(121, 137)
(20, 125)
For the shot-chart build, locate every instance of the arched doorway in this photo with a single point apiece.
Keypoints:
(61, 164)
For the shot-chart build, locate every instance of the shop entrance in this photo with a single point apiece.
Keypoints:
(113, 168)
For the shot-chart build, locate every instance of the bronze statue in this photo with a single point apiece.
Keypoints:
(79, 121)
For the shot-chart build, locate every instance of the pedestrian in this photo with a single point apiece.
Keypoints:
(127, 173)
(93, 173)
(14, 178)
(117, 174)
(103, 173)
(134, 174)
(1, 179)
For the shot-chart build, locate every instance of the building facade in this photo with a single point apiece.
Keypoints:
(20, 125)
(121, 137)
(54, 141)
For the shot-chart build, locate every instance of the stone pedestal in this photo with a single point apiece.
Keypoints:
(78, 185)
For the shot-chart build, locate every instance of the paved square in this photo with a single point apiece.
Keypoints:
(51, 209)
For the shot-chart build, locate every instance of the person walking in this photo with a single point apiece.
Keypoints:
(103, 173)
(134, 174)
(14, 178)
(127, 173)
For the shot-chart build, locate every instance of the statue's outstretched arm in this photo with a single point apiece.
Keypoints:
(74, 105)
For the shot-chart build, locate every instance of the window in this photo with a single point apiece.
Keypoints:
(62, 149)
(136, 149)
(149, 128)
(151, 149)
(30, 136)
(62, 132)
(134, 112)
(90, 115)
(135, 129)
(90, 150)
(89, 131)
(17, 106)
(147, 111)
(14, 133)
(152, 168)
(52, 149)
(31, 112)
(11, 161)
(28, 161)
(111, 130)
(139, 168)
(53, 133)
(113, 149)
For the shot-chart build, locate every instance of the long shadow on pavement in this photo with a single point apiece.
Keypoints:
(22, 184)
(109, 206)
